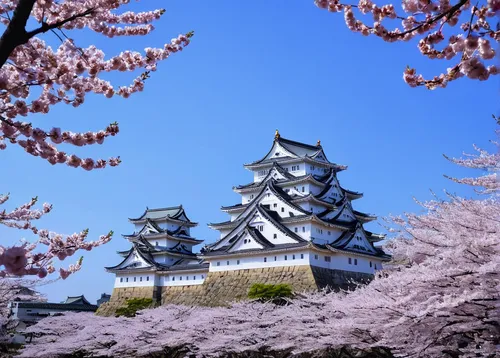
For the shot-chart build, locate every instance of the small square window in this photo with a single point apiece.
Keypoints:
(315, 257)
(275, 205)
(218, 263)
(275, 236)
(328, 259)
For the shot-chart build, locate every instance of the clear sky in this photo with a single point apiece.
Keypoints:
(252, 67)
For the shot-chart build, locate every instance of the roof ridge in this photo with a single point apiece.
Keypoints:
(293, 142)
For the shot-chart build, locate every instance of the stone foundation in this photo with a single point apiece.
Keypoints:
(120, 296)
(222, 288)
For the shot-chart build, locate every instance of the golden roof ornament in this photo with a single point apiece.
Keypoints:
(318, 143)
(277, 135)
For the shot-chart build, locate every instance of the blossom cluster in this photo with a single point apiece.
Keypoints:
(471, 45)
(23, 259)
(35, 76)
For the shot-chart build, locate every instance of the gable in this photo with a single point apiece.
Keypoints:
(359, 242)
(346, 213)
(245, 242)
(278, 151)
(333, 194)
(133, 260)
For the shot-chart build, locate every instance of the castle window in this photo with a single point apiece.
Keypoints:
(251, 196)
(275, 205)
(296, 229)
(156, 243)
(282, 210)
(140, 278)
(303, 189)
(245, 241)
(237, 262)
(135, 279)
(187, 277)
(147, 278)
(328, 259)
(202, 276)
(301, 256)
(329, 232)
(303, 229)
(218, 263)
(355, 261)
(275, 258)
(180, 278)
(286, 257)
(121, 279)
(315, 257)
(228, 263)
(370, 264)
(261, 227)
(275, 236)
(194, 277)
(126, 280)
(173, 278)
(265, 259)
(293, 257)
(350, 261)
(375, 266)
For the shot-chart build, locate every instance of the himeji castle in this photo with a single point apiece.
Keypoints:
(295, 224)
(295, 212)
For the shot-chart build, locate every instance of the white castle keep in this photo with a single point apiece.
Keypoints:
(293, 213)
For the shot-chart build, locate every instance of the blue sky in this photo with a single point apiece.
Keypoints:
(252, 67)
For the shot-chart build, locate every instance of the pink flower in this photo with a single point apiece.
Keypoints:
(14, 260)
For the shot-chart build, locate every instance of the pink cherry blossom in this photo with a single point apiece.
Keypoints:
(38, 76)
(428, 20)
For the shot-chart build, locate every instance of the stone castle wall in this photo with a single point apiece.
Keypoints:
(224, 287)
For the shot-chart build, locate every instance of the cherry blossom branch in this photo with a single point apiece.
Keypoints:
(21, 260)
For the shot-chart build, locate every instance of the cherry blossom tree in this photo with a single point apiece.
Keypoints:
(438, 297)
(468, 46)
(35, 76)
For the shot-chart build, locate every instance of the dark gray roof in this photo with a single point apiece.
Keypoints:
(173, 212)
(223, 250)
(77, 300)
(58, 306)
